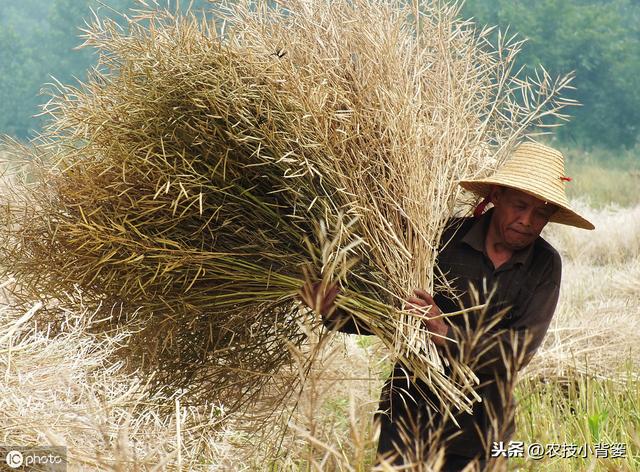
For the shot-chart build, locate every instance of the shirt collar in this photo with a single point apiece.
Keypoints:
(476, 236)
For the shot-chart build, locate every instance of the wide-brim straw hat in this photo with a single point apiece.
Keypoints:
(539, 171)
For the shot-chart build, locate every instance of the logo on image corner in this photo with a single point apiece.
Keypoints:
(14, 459)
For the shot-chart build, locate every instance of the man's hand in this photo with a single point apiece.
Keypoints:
(423, 303)
(319, 297)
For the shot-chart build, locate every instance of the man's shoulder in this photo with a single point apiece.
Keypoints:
(548, 257)
(457, 226)
(545, 249)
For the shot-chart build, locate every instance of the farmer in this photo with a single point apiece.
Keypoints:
(514, 271)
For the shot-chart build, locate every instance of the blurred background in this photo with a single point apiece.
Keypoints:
(596, 39)
(581, 388)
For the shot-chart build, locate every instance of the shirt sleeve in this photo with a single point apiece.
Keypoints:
(502, 351)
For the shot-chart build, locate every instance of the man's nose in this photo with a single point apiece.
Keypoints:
(525, 218)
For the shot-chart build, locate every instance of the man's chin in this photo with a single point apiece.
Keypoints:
(520, 243)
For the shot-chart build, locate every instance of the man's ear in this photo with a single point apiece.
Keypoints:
(495, 192)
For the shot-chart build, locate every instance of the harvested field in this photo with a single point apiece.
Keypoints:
(150, 317)
(62, 390)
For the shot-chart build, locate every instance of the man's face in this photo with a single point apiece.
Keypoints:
(518, 218)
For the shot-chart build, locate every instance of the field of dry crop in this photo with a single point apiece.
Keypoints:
(581, 391)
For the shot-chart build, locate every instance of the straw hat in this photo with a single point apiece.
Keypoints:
(539, 171)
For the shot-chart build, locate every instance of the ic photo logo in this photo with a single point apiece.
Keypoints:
(24, 458)
(14, 459)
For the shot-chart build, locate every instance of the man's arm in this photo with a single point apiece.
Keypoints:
(509, 350)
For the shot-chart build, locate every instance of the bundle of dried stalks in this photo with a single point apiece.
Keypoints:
(205, 169)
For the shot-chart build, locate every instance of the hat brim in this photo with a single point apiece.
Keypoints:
(564, 215)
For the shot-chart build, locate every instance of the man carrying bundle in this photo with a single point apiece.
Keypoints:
(499, 256)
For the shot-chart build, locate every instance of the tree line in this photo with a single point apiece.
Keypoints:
(598, 39)
(39, 43)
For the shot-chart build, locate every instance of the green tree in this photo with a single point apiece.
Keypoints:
(19, 73)
(599, 41)
(38, 41)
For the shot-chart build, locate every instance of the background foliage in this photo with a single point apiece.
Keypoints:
(598, 39)
(37, 42)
